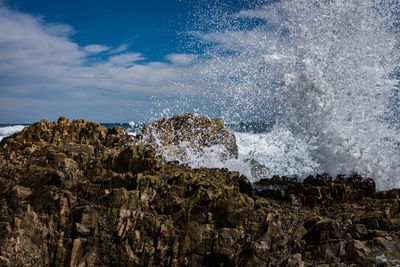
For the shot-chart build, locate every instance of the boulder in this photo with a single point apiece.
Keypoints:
(182, 136)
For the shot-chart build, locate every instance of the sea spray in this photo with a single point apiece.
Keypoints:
(6, 130)
(323, 70)
(340, 85)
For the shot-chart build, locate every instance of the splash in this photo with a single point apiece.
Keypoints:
(9, 130)
(325, 70)
(340, 85)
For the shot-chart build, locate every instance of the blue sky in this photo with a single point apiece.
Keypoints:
(151, 26)
(119, 61)
(98, 60)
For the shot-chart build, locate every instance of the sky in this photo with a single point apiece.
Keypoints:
(134, 60)
(99, 60)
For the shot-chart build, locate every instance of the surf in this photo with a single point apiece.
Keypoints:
(325, 71)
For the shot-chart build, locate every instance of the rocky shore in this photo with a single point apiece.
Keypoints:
(78, 194)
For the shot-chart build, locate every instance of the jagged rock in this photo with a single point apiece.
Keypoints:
(77, 194)
(293, 261)
(322, 230)
(188, 134)
(319, 190)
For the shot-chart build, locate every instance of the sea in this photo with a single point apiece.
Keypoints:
(325, 72)
(274, 147)
(271, 145)
(308, 86)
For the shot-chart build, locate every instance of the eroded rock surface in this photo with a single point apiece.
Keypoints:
(77, 194)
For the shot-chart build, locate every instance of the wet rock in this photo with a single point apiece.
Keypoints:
(258, 171)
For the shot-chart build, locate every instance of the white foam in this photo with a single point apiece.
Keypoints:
(9, 130)
(279, 150)
(212, 157)
(134, 128)
(383, 258)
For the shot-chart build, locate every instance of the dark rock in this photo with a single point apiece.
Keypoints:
(293, 261)
(78, 194)
(357, 251)
(366, 187)
(318, 190)
(322, 230)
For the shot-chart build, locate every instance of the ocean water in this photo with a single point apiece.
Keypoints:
(271, 146)
(9, 129)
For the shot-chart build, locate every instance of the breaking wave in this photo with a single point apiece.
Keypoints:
(326, 72)
(9, 130)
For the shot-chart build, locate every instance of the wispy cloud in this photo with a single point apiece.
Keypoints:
(95, 48)
(180, 59)
(119, 49)
(126, 58)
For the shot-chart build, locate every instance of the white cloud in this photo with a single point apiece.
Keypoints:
(95, 48)
(59, 29)
(180, 59)
(26, 41)
(119, 49)
(38, 60)
(126, 58)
